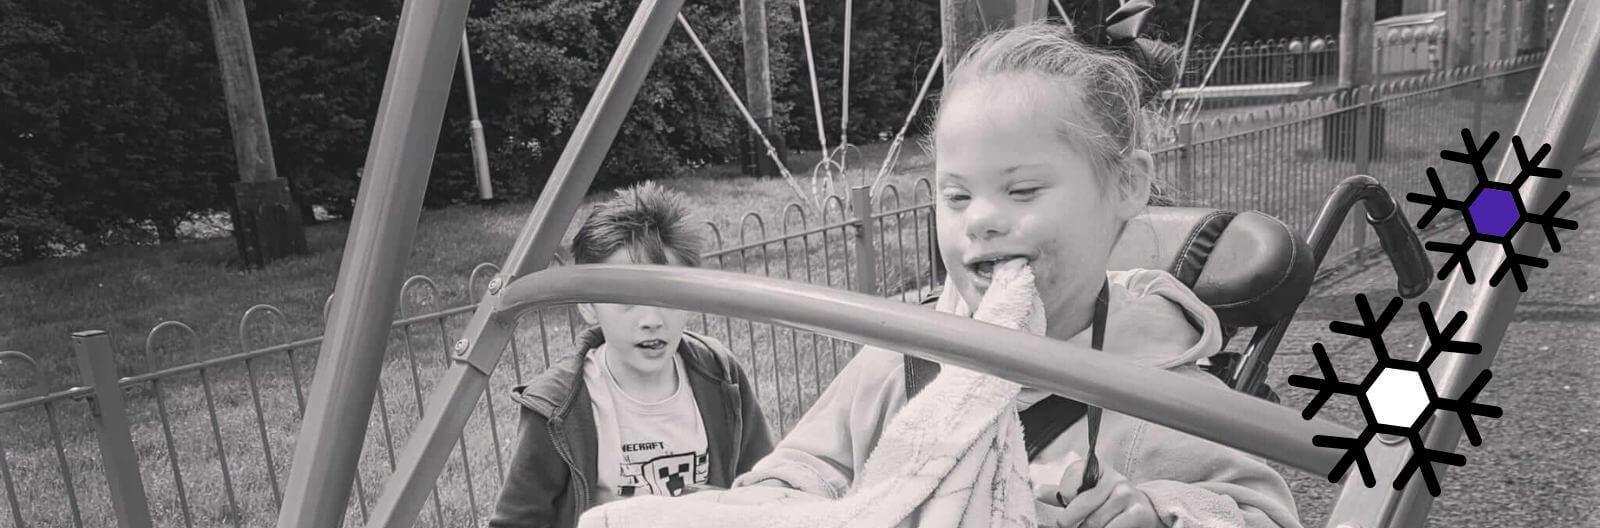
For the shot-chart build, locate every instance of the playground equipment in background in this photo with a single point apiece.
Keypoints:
(1559, 113)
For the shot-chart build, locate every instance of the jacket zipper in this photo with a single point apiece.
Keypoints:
(583, 485)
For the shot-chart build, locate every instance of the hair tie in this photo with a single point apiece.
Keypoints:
(1157, 60)
(1122, 26)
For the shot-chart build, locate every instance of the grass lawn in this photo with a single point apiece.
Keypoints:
(233, 427)
(128, 290)
(245, 406)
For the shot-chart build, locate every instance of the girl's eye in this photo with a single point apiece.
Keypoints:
(956, 198)
(1025, 192)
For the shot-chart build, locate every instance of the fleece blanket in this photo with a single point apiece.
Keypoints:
(953, 457)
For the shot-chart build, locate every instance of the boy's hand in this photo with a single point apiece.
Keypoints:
(1112, 503)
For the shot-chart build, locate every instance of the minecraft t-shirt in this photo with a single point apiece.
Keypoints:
(645, 448)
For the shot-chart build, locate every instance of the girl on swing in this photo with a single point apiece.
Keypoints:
(1040, 159)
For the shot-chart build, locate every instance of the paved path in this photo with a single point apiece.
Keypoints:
(1540, 463)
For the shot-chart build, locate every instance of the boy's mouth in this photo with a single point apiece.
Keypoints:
(651, 344)
(983, 267)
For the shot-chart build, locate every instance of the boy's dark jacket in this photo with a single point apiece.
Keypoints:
(552, 473)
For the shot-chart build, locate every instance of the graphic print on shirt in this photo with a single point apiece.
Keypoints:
(646, 471)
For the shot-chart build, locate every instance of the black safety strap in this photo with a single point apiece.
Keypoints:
(1097, 340)
(1043, 422)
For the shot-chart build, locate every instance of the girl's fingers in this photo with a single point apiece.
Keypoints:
(1115, 506)
(1079, 508)
(1046, 493)
(1051, 516)
(1071, 480)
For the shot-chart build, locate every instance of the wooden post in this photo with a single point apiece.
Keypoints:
(1356, 42)
(1511, 21)
(266, 221)
(1495, 46)
(963, 22)
(1538, 24)
(1357, 45)
(1459, 32)
(758, 90)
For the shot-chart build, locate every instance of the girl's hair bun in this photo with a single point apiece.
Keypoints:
(1157, 60)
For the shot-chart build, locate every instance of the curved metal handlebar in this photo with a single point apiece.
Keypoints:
(1413, 272)
(1207, 410)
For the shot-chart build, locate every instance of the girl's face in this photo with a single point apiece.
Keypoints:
(1009, 186)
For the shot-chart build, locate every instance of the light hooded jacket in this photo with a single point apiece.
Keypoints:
(1154, 320)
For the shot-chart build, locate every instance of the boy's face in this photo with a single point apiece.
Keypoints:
(1008, 186)
(641, 337)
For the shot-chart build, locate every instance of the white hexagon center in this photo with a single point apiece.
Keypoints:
(1397, 397)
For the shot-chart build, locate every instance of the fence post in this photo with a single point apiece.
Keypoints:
(1479, 97)
(1185, 183)
(866, 253)
(97, 363)
(1364, 152)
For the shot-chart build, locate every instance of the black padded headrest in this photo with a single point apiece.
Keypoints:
(1250, 267)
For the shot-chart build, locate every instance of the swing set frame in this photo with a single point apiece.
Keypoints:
(1560, 112)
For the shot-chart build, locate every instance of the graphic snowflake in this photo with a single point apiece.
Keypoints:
(1397, 396)
(1493, 210)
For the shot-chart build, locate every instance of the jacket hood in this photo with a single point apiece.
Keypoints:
(1152, 319)
(553, 389)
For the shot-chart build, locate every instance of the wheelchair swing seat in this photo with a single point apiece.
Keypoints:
(1248, 267)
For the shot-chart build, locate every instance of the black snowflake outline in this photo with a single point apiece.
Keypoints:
(1476, 156)
(1440, 340)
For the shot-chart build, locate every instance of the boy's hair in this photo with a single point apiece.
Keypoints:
(647, 219)
(1106, 84)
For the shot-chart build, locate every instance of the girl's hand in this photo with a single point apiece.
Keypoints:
(1112, 503)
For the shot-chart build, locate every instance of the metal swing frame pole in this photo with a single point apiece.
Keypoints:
(486, 336)
(1560, 112)
(399, 158)
(480, 148)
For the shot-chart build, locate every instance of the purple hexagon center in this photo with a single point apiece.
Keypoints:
(1494, 212)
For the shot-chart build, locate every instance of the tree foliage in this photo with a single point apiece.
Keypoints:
(114, 126)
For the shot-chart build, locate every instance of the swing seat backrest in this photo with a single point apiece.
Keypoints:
(1249, 267)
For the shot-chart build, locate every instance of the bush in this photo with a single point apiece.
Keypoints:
(115, 124)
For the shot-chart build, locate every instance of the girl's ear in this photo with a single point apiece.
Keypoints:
(1135, 186)
(587, 311)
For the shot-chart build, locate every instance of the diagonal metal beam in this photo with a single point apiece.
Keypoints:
(1560, 112)
(452, 401)
(399, 159)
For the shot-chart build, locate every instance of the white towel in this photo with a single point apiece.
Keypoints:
(953, 457)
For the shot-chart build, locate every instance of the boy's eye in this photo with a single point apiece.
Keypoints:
(956, 198)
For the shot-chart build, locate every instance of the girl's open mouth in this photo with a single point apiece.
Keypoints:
(651, 344)
(984, 269)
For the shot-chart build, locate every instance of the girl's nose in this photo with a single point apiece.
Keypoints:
(987, 219)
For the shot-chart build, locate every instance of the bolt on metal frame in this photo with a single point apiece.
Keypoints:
(1560, 112)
